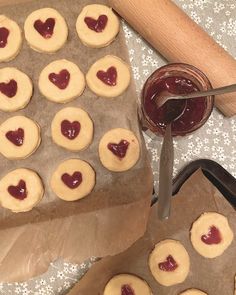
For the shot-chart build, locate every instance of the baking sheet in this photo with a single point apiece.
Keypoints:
(114, 215)
(214, 276)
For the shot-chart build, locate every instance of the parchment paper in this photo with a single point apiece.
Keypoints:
(115, 214)
(214, 276)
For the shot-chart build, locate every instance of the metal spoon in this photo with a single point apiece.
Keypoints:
(166, 96)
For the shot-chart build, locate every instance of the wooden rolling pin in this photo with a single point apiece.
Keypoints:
(179, 39)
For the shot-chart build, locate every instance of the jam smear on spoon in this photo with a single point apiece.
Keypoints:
(19, 191)
(9, 89)
(45, 29)
(61, 80)
(212, 237)
(4, 33)
(119, 149)
(97, 25)
(168, 265)
(108, 77)
(72, 181)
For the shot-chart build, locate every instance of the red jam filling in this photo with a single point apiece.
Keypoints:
(108, 77)
(9, 89)
(212, 237)
(72, 181)
(70, 129)
(61, 80)
(45, 29)
(19, 191)
(127, 290)
(16, 137)
(193, 110)
(168, 265)
(4, 33)
(97, 25)
(119, 149)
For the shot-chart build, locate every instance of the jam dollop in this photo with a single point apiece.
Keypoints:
(9, 89)
(108, 77)
(61, 80)
(19, 191)
(212, 237)
(70, 129)
(193, 109)
(72, 181)
(16, 136)
(127, 290)
(168, 265)
(119, 149)
(97, 25)
(45, 29)
(4, 33)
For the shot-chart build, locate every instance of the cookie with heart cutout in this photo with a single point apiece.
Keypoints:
(109, 76)
(73, 179)
(21, 190)
(193, 292)
(61, 81)
(97, 25)
(46, 30)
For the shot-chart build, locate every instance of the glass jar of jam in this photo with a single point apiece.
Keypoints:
(176, 78)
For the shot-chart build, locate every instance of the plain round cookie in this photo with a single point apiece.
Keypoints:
(16, 89)
(108, 76)
(119, 150)
(125, 283)
(61, 81)
(21, 190)
(72, 129)
(10, 39)
(46, 30)
(19, 137)
(73, 179)
(193, 292)
(169, 262)
(97, 25)
(211, 234)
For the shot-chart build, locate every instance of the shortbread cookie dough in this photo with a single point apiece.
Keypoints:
(21, 190)
(73, 179)
(15, 89)
(211, 234)
(10, 39)
(193, 292)
(46, 30)
(97, 25)
(119, 149)
(127, 284)
(61, 81)
(169, 263)
(109, 76)
(72, 129)
(19, 137)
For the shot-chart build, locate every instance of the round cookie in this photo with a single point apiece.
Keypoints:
(19, 137)
(46, 30)
(15, 89)
(72, 129)
(21, 190)
(119, 150)
(193, 292)
(127, 284)
(169, 263)
(211, 234)
(61, 81)
(73, 179)
(97, 25)
(10, 39)
(109, 76)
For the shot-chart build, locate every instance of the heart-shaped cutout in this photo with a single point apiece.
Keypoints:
(16, 137)
(72, 181)
(127, 290)
(168, 265)
(45, 29)
(61, 80)
(19, 191)
(97, 25)
(4, 33)
(70, 129)
(119, 149)
(108, 77)
(212, 237)
(9, 89)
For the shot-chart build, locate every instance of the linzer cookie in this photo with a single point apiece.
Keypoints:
(193, 292)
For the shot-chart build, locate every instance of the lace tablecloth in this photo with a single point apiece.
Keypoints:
(216, 140)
